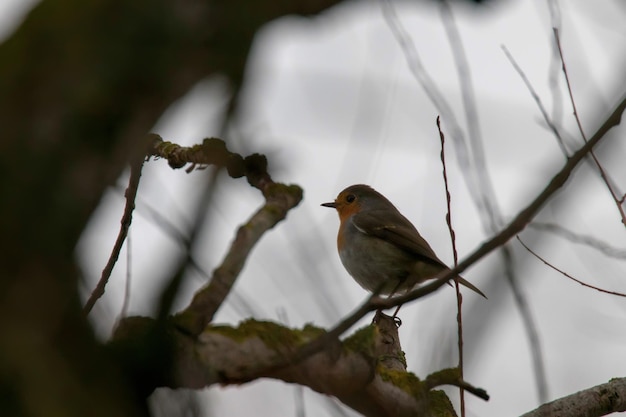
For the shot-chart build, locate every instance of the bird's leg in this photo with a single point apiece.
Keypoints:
(396, 320)
(395, 317)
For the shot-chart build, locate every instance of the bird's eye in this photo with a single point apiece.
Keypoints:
(350, 198)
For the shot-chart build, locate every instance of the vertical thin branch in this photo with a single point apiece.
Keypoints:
(617, 199)
(459, 297)
(530, 327)
(555, 67)
(477, 177)
(494, 218)
(569, 86)
(484, 184)
(127, 218)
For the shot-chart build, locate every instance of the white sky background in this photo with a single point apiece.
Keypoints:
(331, 101)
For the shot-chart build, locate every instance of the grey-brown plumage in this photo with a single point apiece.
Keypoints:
(379, 247)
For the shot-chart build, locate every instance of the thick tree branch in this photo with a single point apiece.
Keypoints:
(366, 371)
(593, 402)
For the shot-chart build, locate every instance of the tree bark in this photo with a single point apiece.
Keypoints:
(366, 371)
(592, 402)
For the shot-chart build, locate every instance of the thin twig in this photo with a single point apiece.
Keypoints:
(603, 174)
(555, 67)
(537, 100)
(584, 284)
(567, 82)
(127, 217)
(453, 377)
(486, 191)
(459, 297)
(530, 327)
(586, 240)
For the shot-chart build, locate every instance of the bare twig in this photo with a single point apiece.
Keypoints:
(603, 174)
(127, 217)
(555, 67)
(526, 215)
(584, 284)
(459, 297)
(586, 240)
(537, 99)
(593, 402)
(569, 86)
(486, 192)
(452, 376)
(532, 332)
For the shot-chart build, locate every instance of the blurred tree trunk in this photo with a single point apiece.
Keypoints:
(80, 84)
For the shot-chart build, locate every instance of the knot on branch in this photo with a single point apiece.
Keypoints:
(213, 151)
(256, 171)
(216, 153)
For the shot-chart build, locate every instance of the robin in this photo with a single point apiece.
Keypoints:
(381, 248)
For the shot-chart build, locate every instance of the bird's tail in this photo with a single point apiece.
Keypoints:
(471, 286)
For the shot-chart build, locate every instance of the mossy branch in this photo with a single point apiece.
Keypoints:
(356, 370)
(453, 376)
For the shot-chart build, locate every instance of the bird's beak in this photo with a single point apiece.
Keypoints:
(331, 205)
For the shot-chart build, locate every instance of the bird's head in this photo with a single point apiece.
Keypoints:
(357, 198)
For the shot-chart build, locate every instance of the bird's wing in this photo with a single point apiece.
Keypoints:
(396, 229)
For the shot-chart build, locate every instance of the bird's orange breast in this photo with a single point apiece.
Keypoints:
(345, 213)
(347, 210)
